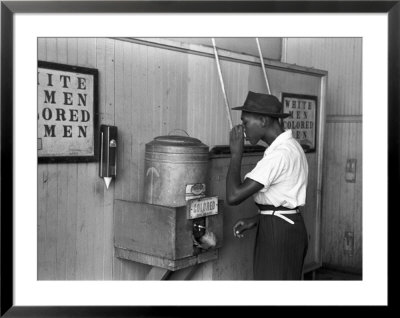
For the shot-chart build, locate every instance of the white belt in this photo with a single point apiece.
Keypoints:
(280, 214)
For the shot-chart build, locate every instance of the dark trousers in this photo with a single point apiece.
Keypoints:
(280, 248)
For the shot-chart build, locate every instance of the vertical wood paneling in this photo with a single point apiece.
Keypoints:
(103, 239)
(91, 190)
(125, 113)
(203, 271)
(62, 188)
(109, 111)
(42, 191)
(83, 223)
(342, 58)
(342, 203)
(207, 117)
(41, 49)
(154, 89)
(104, 208)
(61, 229)
(93, 213)
(356, 263)
(158, 102)
(342, 210)
(145, 92)
(74, 228)
(48, 264)
(118, 73)
(196, 112)
(139, 104)
(51, 221)
(71, 223)
(42, 219)
(130, 118)
(72, 188)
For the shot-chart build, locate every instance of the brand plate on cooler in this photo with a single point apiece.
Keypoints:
(195, 191)
(202, 207)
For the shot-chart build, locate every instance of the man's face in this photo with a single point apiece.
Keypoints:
(253, 127)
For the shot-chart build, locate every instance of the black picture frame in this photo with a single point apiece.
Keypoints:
(94, 111)
(305, 147)
(9, 8)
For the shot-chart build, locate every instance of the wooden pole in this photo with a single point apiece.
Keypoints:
(263, 66)
(222, 84)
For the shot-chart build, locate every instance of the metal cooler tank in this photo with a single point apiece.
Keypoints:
(177, 225)
(175, 169)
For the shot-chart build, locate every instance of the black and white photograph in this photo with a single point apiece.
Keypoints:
(218, 159)
(160, 158)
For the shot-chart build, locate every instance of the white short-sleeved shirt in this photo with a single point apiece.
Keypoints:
(284, 173)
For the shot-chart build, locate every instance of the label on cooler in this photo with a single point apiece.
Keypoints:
(195, 191)
(198, 208)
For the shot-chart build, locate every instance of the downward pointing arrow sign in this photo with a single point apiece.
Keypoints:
(152, 170)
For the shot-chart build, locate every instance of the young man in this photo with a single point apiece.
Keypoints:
(278, 184)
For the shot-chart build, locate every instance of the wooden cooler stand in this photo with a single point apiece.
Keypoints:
(162, 236)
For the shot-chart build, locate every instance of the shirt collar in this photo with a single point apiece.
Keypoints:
(287, 134)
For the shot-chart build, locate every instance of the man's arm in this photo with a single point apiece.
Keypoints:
(236, 191)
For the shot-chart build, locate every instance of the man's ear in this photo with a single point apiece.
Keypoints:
(264, 121)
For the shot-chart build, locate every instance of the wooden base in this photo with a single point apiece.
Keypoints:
(157, 273)
(311, 267)
(169, 264)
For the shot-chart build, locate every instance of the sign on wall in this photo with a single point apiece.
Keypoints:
(302, 119)
(67, 113)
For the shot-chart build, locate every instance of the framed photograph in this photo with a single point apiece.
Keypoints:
(67, 113)
(302, 119)
(22, 293)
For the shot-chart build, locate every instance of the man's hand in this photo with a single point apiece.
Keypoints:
(236, 140)
(242, 226)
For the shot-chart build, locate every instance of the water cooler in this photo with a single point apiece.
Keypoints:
(178, 224)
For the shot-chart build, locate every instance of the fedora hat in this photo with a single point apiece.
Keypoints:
(262, 104)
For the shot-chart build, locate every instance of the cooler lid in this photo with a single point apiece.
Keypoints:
(178, 144)
(179, 140)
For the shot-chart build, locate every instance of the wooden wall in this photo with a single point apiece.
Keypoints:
(271, 47)
(342, 201)
(74, 207)
(146, 92)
